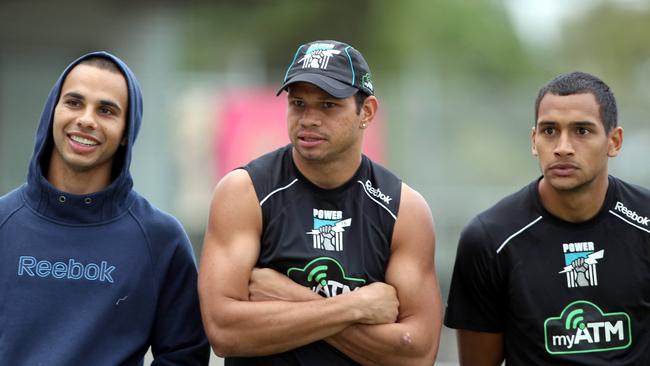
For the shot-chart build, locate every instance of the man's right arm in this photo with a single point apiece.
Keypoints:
(238, 327)
(476, 301)
(479, 348)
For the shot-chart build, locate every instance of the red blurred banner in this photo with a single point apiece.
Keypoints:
(251, 122)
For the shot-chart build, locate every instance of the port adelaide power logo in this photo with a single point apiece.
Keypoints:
(583, 327)
(580, 263)
(328, 229)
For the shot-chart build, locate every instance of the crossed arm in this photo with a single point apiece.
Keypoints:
(394, 323)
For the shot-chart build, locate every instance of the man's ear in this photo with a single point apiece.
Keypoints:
(532, 138)
(368, 111)
(614, 141)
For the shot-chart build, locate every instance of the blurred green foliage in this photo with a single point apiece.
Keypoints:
(467, 38)
(274, 28)
(610, 40)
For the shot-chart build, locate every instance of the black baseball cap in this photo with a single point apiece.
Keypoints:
(333, 66)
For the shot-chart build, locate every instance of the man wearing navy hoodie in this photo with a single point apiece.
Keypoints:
(90, 272)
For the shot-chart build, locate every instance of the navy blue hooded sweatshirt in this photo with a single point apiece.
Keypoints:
(94, 279)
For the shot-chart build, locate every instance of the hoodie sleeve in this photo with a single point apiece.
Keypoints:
(177, 336)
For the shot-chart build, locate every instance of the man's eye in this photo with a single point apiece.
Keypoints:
(583, 131)
(297, 103)
(328, 105)
(105, 110)
(72, 103)
(548, 130)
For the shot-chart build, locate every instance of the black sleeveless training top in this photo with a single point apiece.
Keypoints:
(330, 240)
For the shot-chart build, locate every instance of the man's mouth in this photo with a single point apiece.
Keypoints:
(563, 169)
(83, 140)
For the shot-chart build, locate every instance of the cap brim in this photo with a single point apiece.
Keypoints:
(331, 86)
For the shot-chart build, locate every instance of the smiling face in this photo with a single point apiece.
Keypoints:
(89, 121)
(571, 142)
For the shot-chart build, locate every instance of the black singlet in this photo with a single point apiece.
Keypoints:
(330, 240)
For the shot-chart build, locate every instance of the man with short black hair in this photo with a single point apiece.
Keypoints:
(559, 272)
(90, 272)
(314, 254)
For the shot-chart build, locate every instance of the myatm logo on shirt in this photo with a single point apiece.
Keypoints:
(583, 327)
(326, 277)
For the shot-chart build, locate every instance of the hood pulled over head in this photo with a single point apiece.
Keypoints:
(108, 202)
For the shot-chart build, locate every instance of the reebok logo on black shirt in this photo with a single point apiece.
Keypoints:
(620, 207)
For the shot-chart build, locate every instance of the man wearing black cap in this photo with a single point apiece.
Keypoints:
(314, 254)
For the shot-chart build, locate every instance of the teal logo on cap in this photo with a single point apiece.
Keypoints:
(366, 82)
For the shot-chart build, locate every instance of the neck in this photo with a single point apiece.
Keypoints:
(327, 174)
(576, 205)
(65, 179)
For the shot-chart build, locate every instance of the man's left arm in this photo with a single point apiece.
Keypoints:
(414, 338)
(178, 337)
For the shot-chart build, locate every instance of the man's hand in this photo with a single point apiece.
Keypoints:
(379, 304)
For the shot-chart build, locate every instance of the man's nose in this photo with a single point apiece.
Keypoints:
(564, 145)
(87, 119)
(310, 118)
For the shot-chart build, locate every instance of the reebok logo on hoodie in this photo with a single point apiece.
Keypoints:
(73, 270)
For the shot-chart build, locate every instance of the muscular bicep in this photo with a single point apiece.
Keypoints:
(479, 348)
(411, 268)
(231, 243)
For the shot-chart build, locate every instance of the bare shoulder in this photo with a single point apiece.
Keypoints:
(413, 243)
(237, 181)
(414, 212)
(235, 207)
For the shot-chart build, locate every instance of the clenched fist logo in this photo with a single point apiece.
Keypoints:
(327, 235)
(580, 268)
